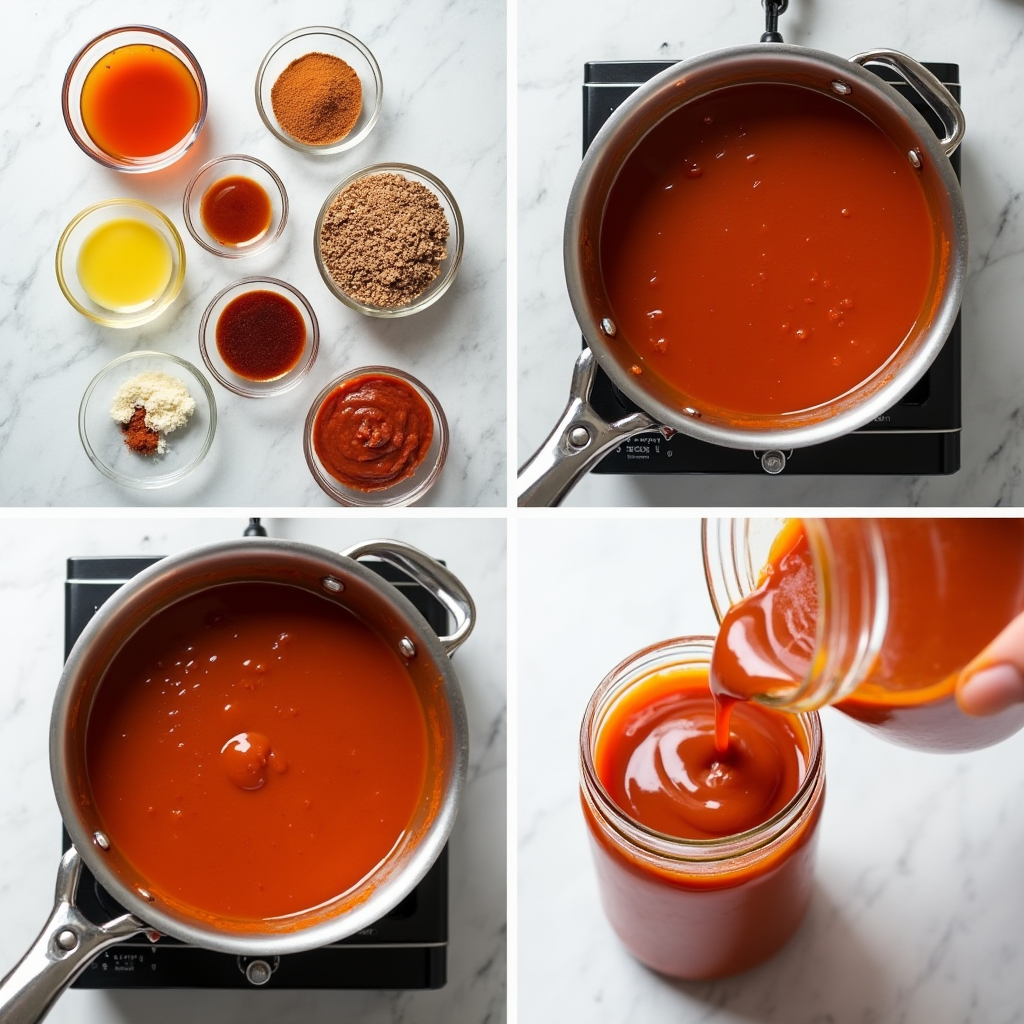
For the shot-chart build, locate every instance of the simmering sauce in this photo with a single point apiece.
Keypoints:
(744, 250)
(236, 210)
(255, 751)
(139, 101)
(261, 335)
(655, 755)
(953, 584)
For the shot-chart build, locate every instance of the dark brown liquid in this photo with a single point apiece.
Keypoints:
(261, 335)
(236, 210)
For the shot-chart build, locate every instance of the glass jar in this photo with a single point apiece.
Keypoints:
(876, 604)
(699, 908)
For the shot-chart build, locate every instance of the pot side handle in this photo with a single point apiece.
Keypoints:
(928, 87)
(578, 441)
(66, 946)
(442, 584)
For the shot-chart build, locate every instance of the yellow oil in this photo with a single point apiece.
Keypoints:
(125, 265)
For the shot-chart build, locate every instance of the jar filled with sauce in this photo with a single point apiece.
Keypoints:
(705, 862)
(876, 617)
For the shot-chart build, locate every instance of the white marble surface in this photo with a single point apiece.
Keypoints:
(916, 913)
(443, 65)
(986, 39)
(32, 555)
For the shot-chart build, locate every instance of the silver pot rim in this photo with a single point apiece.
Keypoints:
(597, 172)
(101, 636)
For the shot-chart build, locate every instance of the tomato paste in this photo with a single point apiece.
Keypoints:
(372, 431)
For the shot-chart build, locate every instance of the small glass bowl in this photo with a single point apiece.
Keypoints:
(103, 440)
(87, 58)
(82, 227)
(401, 492)
(211, 354)
(449, 265)
(333, 41)
(226, 167)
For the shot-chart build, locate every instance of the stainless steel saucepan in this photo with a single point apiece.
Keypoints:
(581, 436)
(69, 941)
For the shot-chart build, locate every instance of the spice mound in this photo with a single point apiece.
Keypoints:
(372, 431)
(383, 240)
(317, 99)
(148, 406)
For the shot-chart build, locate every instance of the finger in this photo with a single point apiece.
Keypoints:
(995, 679)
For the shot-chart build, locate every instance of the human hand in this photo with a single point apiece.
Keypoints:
(995, 678)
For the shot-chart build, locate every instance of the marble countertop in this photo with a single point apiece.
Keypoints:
(32, 557)
(443, 66)
(986, 39)
(916, 910)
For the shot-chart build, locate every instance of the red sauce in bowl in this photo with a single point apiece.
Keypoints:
(766, 249)
(372, 431)
(255, 751)
(261, 335)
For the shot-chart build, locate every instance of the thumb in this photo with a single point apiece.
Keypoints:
(995, 678)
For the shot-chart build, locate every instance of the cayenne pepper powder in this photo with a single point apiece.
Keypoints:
(317, 99)
(138, 436)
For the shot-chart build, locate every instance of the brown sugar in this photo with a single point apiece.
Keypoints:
(317, 99)
(383, 239)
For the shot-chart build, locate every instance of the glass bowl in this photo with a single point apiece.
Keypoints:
(102, 438)
(401, 492)
(83, 225)
(215, 362)
(230, 166)
(89, 56)
(333, 41)
(448, 266)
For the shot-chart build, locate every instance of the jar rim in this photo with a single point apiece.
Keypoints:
(687, 650)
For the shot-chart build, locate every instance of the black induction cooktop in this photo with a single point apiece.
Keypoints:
(406, 949)
(919, 435)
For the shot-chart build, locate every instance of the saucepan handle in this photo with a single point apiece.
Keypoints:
(576, 444)
(430, 574)
(67, 944)
(928, 87)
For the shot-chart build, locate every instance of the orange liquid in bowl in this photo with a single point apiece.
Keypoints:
(139, 101)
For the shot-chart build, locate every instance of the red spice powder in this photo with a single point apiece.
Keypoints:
(138, 436)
